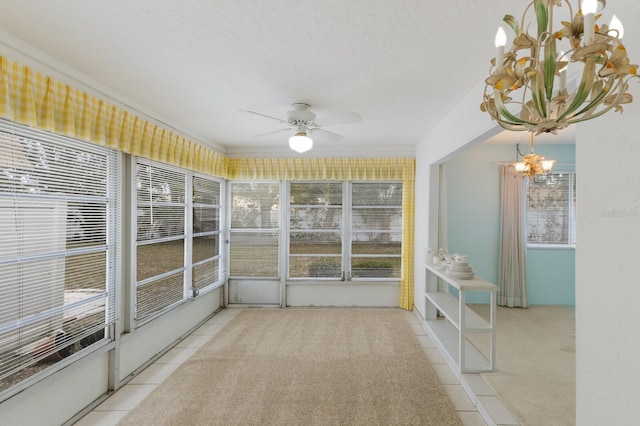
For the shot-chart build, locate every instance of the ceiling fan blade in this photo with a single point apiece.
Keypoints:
(325, 134)
(274, 132)
(343, 118)
(266, 116)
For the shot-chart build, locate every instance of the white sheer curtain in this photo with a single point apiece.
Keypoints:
(512, 274)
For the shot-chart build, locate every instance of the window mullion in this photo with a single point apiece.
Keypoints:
(188, 291)
(347, 202)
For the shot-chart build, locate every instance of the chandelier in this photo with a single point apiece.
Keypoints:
(526, 88)
(529, 163)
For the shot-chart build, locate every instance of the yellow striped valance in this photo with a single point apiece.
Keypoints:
(38, 101)
(322, 168)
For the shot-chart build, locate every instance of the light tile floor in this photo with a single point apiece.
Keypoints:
(465, 407)
(118, 405)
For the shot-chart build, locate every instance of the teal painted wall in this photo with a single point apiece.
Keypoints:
(473, 222)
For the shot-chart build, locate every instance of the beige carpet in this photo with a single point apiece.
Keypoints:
(304, 367)
(536, 361)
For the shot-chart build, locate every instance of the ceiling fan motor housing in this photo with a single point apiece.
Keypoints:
(301, 116)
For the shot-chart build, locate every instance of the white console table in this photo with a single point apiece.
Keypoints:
(451, 333)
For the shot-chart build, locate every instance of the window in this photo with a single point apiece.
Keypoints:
(336, 230)
(255, 228)
(206, 255)
(315, 230)
(551, 204)
(178, 235)
(58, 223)
(350, 230)
(376, 230)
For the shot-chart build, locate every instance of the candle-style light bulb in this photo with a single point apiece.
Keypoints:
(500, 41)
(616, 26)
(563, 73)
(589, 12)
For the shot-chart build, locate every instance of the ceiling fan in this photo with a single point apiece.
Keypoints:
(303, 121)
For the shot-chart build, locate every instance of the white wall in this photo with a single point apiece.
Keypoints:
(608, 267)
(381, 294)
(608, 247)
(149, 340)
(57, 398)
(438, 146)
(607, 253)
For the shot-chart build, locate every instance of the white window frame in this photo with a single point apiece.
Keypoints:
(75, 306)
(346, 235)
(274, 230)
(343, 234)
(350, 227)
(187, 236)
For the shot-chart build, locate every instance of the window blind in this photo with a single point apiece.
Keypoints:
(315, 229)
(206, 254)
(376, 229)
(161, 237)
(178, 231)
(551, 209)
(58, 225)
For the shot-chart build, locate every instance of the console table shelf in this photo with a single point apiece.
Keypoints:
(451, 333)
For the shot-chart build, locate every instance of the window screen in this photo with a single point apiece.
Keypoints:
(376, 230)
(255, 227)
(161, 235)
(57, 258)
(551, 209)
(206, 232)
(177, 236)
(315, 229)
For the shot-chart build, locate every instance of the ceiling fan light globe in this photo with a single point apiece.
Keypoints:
(300, 142)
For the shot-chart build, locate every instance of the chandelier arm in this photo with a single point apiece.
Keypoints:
(549, 56)
(589, 111)
(549, 64)
(502, 110)
(614, 85)
(603, 111)
(538, 95)
(524, 15)
(523, 103)
(518, 150)
(620, 86)
(584, 88)
(570, 7)
(511, 127)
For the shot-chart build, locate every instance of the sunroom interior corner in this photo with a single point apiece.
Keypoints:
(605, 254)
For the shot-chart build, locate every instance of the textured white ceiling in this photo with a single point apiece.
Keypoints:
(193, 65)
